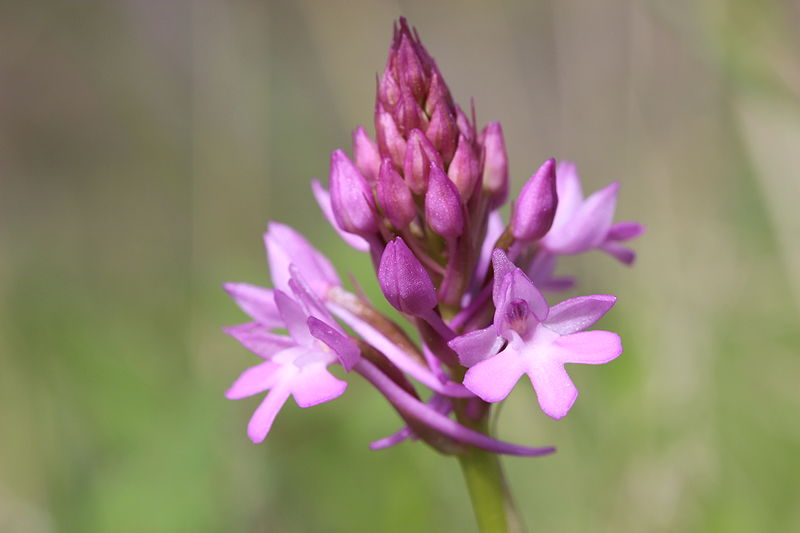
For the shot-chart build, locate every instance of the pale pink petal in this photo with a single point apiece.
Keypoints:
(286, 246)
(315, 385)
(254, 380)
(345, 348)
(295, 318)
(306, 297)
(623, 231)
(562, 283)
(258, 339)
(324, 200)
(264, 415)
(256, 302)
(554, 390)
(589, 347)
(521, 287)
(588, 227)
(493, 379)
(621, 253)
(476, 346)
(577, 314)
(570, 195)
(502, 265)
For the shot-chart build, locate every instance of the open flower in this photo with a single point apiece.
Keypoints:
(583, 224)
(529, 337)
(296, 364)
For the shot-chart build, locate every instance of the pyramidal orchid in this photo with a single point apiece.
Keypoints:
(423, 199)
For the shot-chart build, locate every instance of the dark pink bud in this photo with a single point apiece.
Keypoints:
(351, 197)
(443, 205)
(395, 197)
(404, 281)
(388, 88)
(438, 93)
(465, 127)
(495, 166)
(408, 115)
(368, 160)
(420, 153)
(536, 205)
(443, 132)
(410, 69)
(390, 141)
(464, 171)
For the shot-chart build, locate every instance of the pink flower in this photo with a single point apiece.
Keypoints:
(528, 337)
(296, 364)
(583, 224)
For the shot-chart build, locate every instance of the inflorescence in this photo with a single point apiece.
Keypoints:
(423, 201)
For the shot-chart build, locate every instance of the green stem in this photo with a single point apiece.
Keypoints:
(488, 491)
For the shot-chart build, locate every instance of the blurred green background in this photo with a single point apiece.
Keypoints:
(144, 145)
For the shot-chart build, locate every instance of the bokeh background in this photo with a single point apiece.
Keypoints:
(144, 145)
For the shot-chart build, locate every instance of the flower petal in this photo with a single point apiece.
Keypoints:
(345, 348)
(493, 379)
(476, 346)
(623, 231)
(519, 286)
(570, 193)
(286, 246)
(306, 297)
(554, 389)
(324, 200)
(295, 318)
(589, 225)
(256, 338)
(254, 380)
(589, 347)
(502, 266)
(257, 302)
(623, 254)
(577, 314)
(261, 421)
(315, 385)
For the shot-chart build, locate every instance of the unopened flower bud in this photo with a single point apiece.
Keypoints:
(438, 93)
(495, 166)
(388, 88)
(404, 281)
(536, 205)
(443, 205)
(464, 171)
(409, 65)
(408, 115)
(395, 197)
(390, 141)
(465, 126)
(420, 153)
(366, 155)
(351, 197)
(443, 132)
